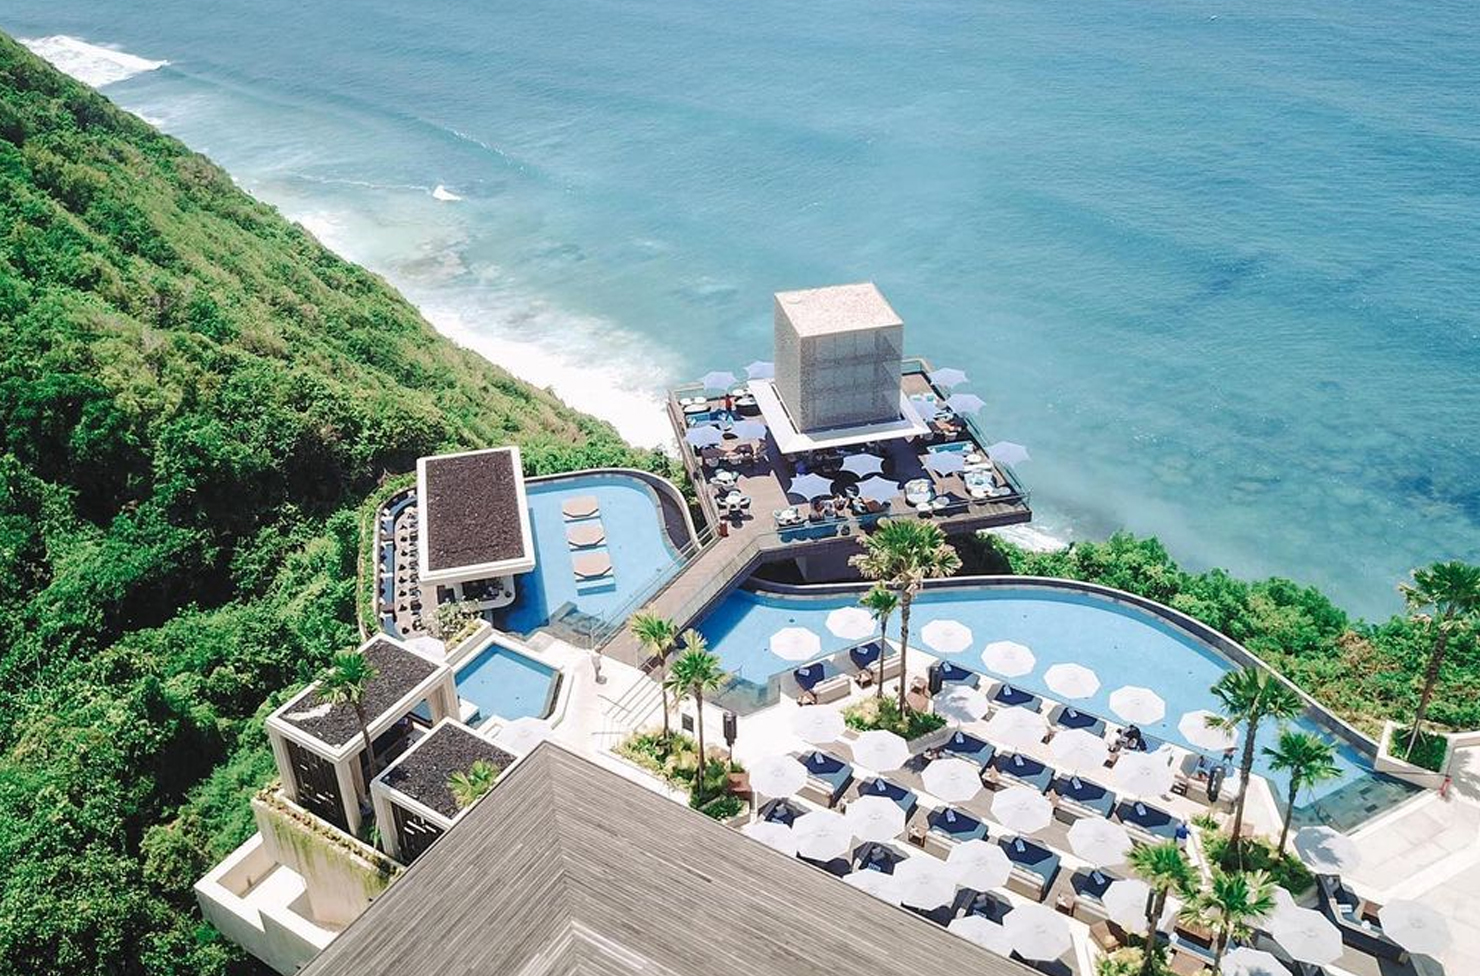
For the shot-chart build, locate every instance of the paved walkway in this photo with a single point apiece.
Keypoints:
(1429, 850)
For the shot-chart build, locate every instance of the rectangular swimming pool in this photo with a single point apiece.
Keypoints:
(501, 681)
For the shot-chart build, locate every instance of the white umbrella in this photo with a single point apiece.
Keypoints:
(776, 836)
(1009, 658)
(1196, 730)
(880, 750)
(522, 735)
(1101, 842)
(1078, 749)
(962, 703)
(876, 883)
(1142, 774)
(1414, 926)
(946, 636)
(876, 489)
(923, 882)
(863, 464)
(953, 780)
(1022, 809)
(1136, 704)
(719, 379)
(948, 377)
(928, 409)
(777, 776)
(1071, 680)
(822, 835)
(1016, 728)
(1037, 932)
(810, 486)
(705, 436)
(795, 644)
(945, 462)
(1125, 902)
(1305, 934)
(965, 402)
(1008, 453)
(979, 865)
(761, 370)
(748, 430)
(851, 623)
(1245, 961)
(983, 931)
(1327, 851)
(817, 724)
(875, 818)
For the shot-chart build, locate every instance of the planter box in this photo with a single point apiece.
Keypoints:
(1392, 765)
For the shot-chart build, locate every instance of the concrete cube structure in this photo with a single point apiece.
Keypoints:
(838, 353)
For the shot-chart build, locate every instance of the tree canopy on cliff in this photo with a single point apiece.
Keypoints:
(195, 396)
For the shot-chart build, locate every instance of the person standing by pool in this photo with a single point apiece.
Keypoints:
(595, 664)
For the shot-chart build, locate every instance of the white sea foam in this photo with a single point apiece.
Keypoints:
(1031, 537)
(90, 63)
(442, 193)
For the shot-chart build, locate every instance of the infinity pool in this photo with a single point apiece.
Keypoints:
(1121, 644)
(638, 544)
(501, 681)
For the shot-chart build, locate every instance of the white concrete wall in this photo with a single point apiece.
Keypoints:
(249, 898)
(342, 876)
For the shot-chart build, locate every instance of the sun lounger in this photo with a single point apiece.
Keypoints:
(808, 676)
(1014, 767)
(879, 786)
(967, 746)
(822, 683)
(1080, 798)
(866, 655)
(947, 827)
(580, 507)
(1358, 928)
(952, 673)
(827, 777)
(1016, 697)
(781, 810)
(1089, 886)
(590, 566)
(1067, 717)
(874, 856)
(1034, 867)
(584, 535)
(1147, 823)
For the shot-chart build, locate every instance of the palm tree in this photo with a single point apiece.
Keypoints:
(657, 634)
(1166, 869)
(1309, 759)
(902, 555)
(344, 683)
(881, 604)
(467, 786)
(695, 672)
(1249, 696)
(1230, 905)
(1444, 595)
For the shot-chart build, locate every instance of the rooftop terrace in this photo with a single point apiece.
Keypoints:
(422, 773)
(398, 672)
(474, 516)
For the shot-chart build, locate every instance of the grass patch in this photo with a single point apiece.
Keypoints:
(883, 713)
(1428, 751)
(1258, 854)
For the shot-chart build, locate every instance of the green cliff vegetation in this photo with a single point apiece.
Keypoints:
(194, 399)
(1364, 672)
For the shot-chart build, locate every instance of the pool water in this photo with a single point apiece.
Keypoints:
(502, 682)
(637, 543)
(1121, 644)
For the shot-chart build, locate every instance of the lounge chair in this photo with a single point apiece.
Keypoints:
(592, 566)
(580, 507)
(966, 746)
(947, 827)
(1068, 717)
(1147, 823)
(952, 673)
(1079, 798)
(827, 777)
(1034, 867)
(879, 786)
(1023, 770)
(585, 535)
(1017, 697)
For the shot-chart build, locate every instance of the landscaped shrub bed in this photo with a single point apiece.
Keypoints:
(883, 713)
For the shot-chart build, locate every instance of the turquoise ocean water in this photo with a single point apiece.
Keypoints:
(1215, 263)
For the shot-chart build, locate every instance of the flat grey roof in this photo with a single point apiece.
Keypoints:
(837, 308)
(567, 867)
(397, 672)
(472, 510)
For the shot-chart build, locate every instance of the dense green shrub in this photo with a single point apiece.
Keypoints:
(883, 713)
(1428, 751)
(1258, 854)
(195, 399)
(676, 761)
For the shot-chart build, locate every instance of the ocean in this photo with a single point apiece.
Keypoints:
(1215, 263)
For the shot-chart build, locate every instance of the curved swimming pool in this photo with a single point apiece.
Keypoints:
(1122, 644)
(636, 539)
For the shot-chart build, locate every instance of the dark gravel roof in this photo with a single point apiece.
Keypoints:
(397, 671)
(422, 774)
(470, 511)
